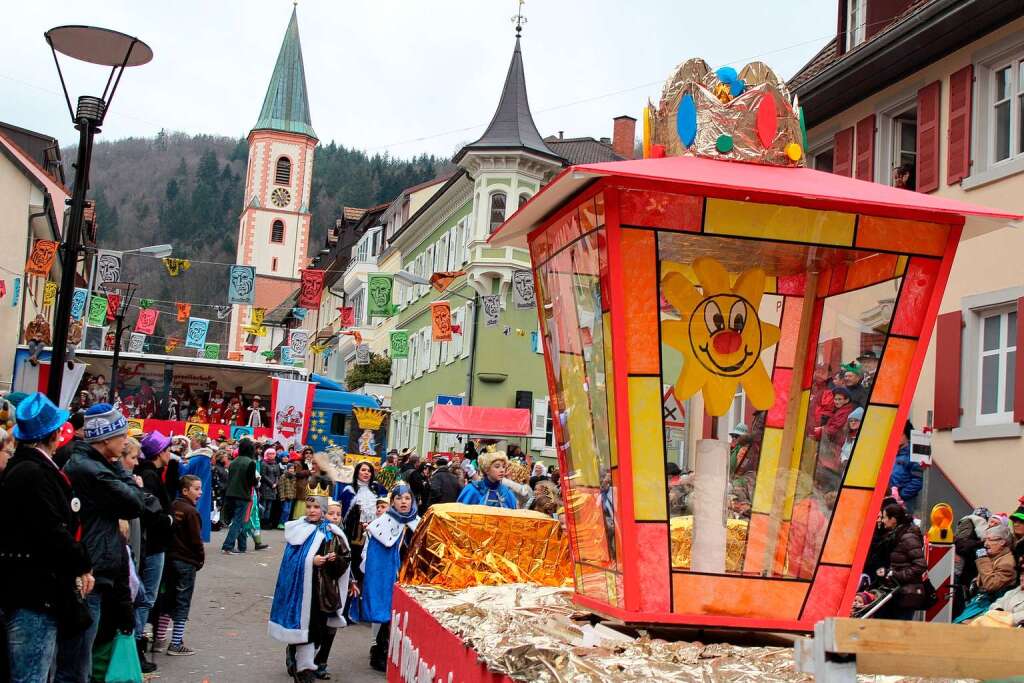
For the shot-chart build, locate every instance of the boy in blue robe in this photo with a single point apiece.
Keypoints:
(387, 541)
(311, 587)
(490, 490)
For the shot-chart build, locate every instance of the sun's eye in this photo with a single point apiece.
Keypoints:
(713, 317)
(737, 316)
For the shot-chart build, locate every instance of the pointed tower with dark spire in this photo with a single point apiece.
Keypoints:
(273, 232)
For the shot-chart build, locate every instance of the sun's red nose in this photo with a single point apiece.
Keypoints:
(726, 342)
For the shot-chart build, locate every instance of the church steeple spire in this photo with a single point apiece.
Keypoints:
(286, 106)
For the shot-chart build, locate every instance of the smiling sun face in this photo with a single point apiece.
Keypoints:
(720, 335)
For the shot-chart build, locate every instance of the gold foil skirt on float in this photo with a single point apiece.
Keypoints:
(682, 540)
(457, 546)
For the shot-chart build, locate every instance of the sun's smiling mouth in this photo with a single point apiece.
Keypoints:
(747, 353)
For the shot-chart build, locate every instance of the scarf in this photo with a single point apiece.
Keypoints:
(395, 514)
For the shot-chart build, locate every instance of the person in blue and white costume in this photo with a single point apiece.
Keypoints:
(387, 541)
(489, 489)
(311, 587)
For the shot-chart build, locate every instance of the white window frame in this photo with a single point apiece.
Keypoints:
(455, 348)
(441, 254)
(467, 238)
(467, 330)
(856, 22)
(886, 116)
(428, 261)
(1003, 314)
(414, 427)
(435, 352)
(972, 425)
(413, 356)
(984, 169)
(453, 255)
(428, 411)
(424, 350)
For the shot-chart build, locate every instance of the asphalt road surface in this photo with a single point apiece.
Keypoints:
(228, 626)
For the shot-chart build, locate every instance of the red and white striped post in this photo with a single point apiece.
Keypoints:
(940, 555)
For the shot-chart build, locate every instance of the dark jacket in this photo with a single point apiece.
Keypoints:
(967, 544)
(107, 494)
(156, 526)
(418, 483)
(269, 474)
(444, 487)
(241, 478)
(907, 561)
(219, 479)
(39, 557)
(186, 541)
(906, 476)
(63, 454)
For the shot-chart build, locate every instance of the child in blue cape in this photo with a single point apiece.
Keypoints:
(490, 490)
(311, 587)
(387, 541)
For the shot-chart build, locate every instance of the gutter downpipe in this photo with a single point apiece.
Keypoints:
(472, 352)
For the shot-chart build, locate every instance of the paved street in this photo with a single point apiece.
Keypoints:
(228, 626)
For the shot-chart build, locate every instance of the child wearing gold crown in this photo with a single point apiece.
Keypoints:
(311, 586)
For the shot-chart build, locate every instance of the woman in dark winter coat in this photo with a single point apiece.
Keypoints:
(907, 564)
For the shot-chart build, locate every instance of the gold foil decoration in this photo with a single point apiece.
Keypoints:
(681, 529)
(457, 546)
(517, 472)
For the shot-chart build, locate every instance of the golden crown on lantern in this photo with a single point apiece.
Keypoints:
(369, 418)
(724, 114)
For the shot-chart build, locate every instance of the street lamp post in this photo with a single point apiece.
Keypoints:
(125, 291)
(106, 48)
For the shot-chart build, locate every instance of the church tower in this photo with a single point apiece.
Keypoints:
(273, 231)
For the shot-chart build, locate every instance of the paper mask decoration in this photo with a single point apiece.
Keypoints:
(362, 354)
(15, 291)
(40, 261)
(222, 311)
(347, 316)
(258, 314)
(267, 354)
(241, 285)
(379, 287)
(257, 330)
(399, 343)
(78, 303)
(299, 313)
(311, 287)
(93, 339)
(183, 311)
(137, 342)
(97, 311)
(234, 355)
(176, 266)
(113, 304)
(211, 351)
(145, 303)
(3, 288)
(441, 321)
(286, 356)
(171, 344)
(492, 309)
(195, 334)
(444, 279)
(49, 293)
(146, 322)
(298, 343)
(108, 267)
(522, 289)
(720, 335)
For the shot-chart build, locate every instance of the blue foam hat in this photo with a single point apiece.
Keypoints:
(36, 417)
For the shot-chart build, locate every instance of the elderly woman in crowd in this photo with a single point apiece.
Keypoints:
(997, 570)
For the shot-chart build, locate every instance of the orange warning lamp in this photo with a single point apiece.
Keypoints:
(941, 529)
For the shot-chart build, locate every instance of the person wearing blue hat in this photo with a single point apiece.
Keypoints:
(108, 493)
(45, 571)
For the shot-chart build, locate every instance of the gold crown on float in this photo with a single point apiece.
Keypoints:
(318, 491)
(746, 116)
(369, 418)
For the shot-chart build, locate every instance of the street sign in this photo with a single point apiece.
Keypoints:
(443, 400)
(921, 446)
(672, 410)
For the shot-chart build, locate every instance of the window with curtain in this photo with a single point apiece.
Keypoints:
(497, 212)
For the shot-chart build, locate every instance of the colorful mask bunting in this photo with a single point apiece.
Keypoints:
(241, 285)
(347, 316)
(399, 343)
(146, 322)
(108, 267)
(171, 344)
(298, 343)
(379, 287)
(211, 351)
(184, 310)
(145, 303)
(3, 289)
(49, 293)
(441, 321)
(522, 289)
(258, 314)
(250, 347)
(97, 311)
(222, 311)
(137, 342)
(176, 266)
(312, 287)
(492, 309)
(362, 354)
(234, 355)
(195, 334)
(113, 304)
(40, 261)
(286, 356)
(257, 330)
(15, 291)
(93, 338)
(267, 354)
(443, 280)
(78, 303)
(299, 313)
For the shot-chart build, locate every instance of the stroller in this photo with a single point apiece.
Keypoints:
(884, 592)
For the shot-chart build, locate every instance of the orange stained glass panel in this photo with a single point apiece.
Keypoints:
(588, 215)
(786, 349)
(892, 373)
(915, 296)
(653, 567)
(757, 543)
(592, 582)
(870, 270)
(737, 596)
(847, 523)
(641, 304)
(826, 594)
(781, 379)
(660, 210)
(774, 222)
(895, 234)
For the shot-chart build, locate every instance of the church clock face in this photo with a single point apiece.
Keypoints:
(280, 197)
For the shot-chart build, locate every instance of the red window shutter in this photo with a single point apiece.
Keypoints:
(865, 163)
(958, 161)
(948, 339)
(928, 137)
(1018, 372)
(842, 153)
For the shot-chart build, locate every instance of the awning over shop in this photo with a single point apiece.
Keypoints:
(480, 421)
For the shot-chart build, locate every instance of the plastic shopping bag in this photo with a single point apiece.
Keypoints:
(124, 661)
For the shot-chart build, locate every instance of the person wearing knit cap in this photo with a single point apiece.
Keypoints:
(490, 490)
(853, 423)
(853, 380)
(107, 494)
(269, 476)
(1017, 528)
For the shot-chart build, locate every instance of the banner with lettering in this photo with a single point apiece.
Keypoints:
(211, 351)
(108, 267)
(184, 311)
(298, 343)
(146, 322)
(241, 285)
(137, 342)
(49, 293)
(492, 309)
(399, 343)
(522, 289)
(379, 289)
(195, 333)
(40, 261)
(311, 287)
(257, 316)
(441, 321)
(98, 311)
(78, 302)
(291, 402)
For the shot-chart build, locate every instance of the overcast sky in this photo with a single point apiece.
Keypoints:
(399, 76)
